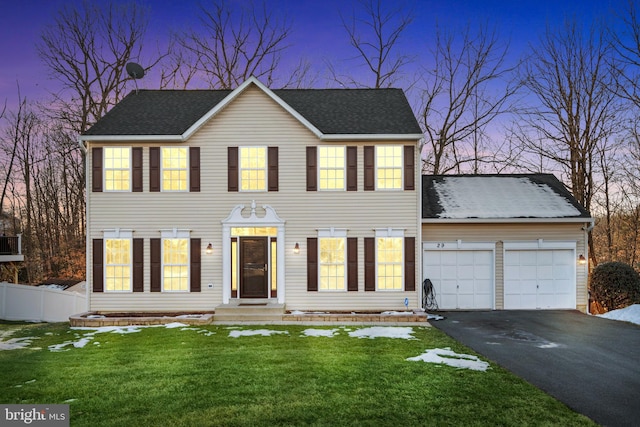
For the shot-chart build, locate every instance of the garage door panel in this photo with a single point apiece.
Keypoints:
(448, 258)
(462, 279)
(466, 272)
(542, 278)
(466, 302)
(562, 272)
(447, 300)
(466, 287)
(545, 257)
(545, 272)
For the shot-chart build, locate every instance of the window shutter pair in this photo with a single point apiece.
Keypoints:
(195, 268)
(312, 168)
(138, 265)
(409, 264)
(370, 168)
(312, 264)
(154, 169)
(233, 169)
(97, 168)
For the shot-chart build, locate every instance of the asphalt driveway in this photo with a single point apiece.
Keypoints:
(589, 363)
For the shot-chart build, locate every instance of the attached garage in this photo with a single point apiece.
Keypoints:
(462, 277)
(504, 242)
(540, 278)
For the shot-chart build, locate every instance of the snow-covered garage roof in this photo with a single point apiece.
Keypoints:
(498, 197)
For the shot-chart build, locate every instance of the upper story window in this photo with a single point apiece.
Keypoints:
(253, 168)
(117, 168)
(174, 169)
(331, 168)
(389, 165)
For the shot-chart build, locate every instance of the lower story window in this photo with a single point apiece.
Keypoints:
(175, 264)
(117, 265)
(332, 263)
(389, 269)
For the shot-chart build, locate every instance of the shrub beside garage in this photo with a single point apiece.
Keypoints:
(615, 285)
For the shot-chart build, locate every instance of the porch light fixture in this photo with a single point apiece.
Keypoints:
(582, 260)
(296, 248)
(209, 249)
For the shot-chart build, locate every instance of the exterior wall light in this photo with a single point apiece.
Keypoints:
(296, 248)
(582, 260)
(209, 249)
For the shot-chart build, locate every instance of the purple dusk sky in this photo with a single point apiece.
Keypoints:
(317, 31)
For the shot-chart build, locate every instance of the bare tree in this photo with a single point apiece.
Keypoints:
(231, 45)
(626, 43)
(86, 50)
(576, 114)
(467, 87)
(375, 37)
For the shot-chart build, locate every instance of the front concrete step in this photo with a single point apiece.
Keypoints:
(248, 310)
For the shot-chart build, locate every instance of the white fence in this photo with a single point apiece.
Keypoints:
(21, 302)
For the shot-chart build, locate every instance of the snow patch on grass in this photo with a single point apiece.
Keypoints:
(254, 332)
(384, 332)
(320, 332)
(445, 356)
(16, 343)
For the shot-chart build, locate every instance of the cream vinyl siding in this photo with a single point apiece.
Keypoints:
(515, 232)
(253, 119)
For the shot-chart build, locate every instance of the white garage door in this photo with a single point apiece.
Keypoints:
(461, 279)
(543, 279)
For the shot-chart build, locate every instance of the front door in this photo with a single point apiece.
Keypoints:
(254, 265)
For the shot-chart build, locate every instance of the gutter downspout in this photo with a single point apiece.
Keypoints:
(588, 226)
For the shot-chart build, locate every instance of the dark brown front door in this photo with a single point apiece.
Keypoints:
(254, 266)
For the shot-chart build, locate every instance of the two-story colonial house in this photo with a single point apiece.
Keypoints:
(308, 197)
(311, 199)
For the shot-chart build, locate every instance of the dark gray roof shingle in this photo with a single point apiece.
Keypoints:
(332, 111)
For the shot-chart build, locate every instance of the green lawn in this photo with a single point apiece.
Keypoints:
(204, 377)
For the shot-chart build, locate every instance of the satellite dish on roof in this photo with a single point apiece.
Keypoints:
(134, 70)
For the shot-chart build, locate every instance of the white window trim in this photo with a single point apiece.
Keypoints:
(329, 233)
(389, 233)
(344, 169)
(104, 171)
(266, 168)
(375, 157)
(162, 189)
(112, 234)
(175, 233)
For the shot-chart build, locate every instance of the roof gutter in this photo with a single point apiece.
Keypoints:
(186, 135)
(133, 138)
(370, 137)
